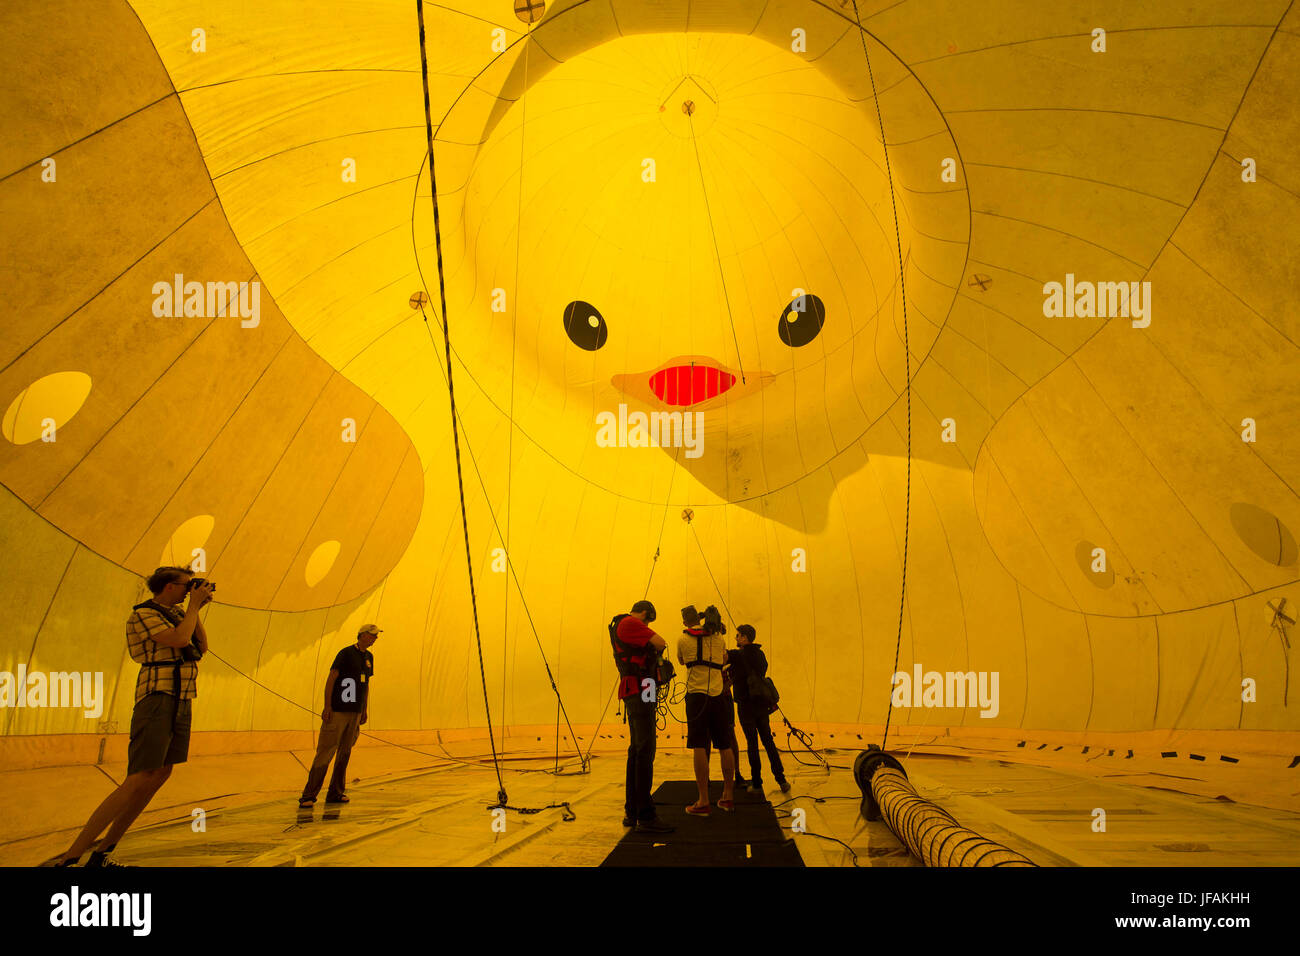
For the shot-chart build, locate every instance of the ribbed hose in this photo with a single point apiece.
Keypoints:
(932, 833)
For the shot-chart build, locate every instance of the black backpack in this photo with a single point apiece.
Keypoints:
(654, 666)
(761, 689)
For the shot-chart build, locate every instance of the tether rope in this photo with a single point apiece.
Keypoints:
(722, 276)
(667, 505)
(907, 360)
(469, 447)
(365, 733)
(712, 578)
(502, 799)
(802, 737)
(514, 575)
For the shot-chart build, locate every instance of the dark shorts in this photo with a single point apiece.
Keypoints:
(157, 739)
(709, 720)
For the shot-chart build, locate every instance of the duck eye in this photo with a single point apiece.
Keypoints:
(585, 326)
(801, 320)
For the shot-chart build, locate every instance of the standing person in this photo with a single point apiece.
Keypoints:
(167, 644)
(728, 679)
(708, 713)
(748, 668)
(347, 707)
(636, 649)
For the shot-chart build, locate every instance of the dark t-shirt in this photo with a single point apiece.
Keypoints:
(359, 667)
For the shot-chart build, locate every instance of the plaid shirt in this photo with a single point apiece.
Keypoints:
(141, 627)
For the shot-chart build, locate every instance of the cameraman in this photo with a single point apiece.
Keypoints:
(708, 712)
(636, 648)
(167, 645)
(748, 668)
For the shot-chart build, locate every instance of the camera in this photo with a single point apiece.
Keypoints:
(199, 582)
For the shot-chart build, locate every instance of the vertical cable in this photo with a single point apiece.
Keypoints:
(907, 360)
(451, 394)
(514, 338)
(740, 365)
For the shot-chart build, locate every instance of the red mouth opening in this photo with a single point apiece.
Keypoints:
(689, 384)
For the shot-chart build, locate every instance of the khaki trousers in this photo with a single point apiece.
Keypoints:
(338, 733)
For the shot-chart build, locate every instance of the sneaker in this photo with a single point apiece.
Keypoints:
(784, 785)
(341, 798)
(756, 787)
(101, 859)
(653, 826)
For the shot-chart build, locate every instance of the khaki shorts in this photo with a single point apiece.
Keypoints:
(160, 733)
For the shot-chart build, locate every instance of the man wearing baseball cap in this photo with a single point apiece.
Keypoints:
(347, 701)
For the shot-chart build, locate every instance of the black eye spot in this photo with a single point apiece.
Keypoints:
(585, 326)
(801, 320)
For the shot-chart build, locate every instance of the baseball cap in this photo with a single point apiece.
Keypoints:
(369, 629)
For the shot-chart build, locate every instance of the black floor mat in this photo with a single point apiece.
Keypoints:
(751, 836)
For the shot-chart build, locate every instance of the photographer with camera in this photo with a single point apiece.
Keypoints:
(347, 707)
(753, 706)
(636, 652)
(709, 718)
(167, 644)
